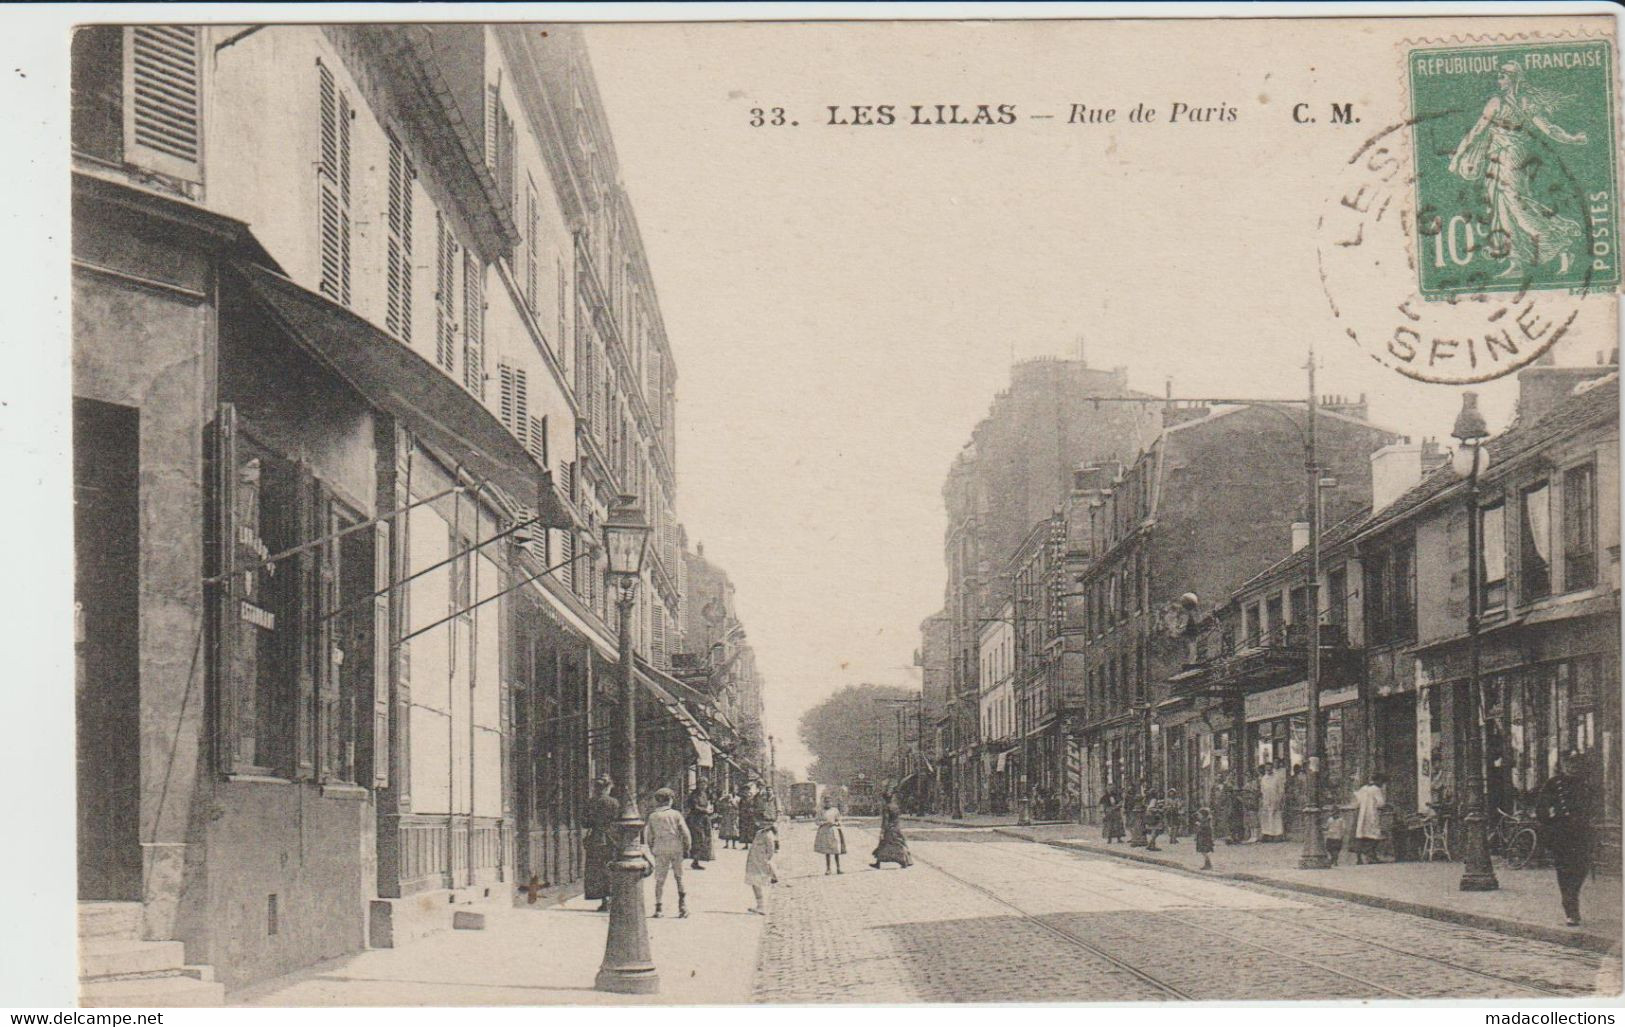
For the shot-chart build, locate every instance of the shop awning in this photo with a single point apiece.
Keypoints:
(661, 686)
(702, 750)
(397, 380)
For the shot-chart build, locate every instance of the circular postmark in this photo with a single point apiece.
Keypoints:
(1490, 316)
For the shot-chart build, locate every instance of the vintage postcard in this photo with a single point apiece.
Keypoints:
(1083, 509)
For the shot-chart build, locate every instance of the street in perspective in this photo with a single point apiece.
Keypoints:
(1025, 620)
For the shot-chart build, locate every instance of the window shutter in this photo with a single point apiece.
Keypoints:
(380, 653)
(445, 295)
(163, 111)
(537, 440)
(567, 553)
(221, 453)
(562, 342)
(327, 635)
(308, 641)
(473, 324)
(533, 224)
(398, 313)
(659, 632)
(333, 177)
(505, 395)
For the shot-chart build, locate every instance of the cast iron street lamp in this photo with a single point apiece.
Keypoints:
(627, 968)
(1469, 461)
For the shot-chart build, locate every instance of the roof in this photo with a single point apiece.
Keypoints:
(1591, 401)
(1337, 534)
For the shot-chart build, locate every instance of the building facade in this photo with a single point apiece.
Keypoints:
(365, 348)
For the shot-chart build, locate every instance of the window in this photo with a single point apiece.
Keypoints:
(300, 652)
(1337, 597)
(1300, 605)
(1492, 566)
(499, 143)
(398, 266)
(333, 185)
(445, 295)
(474, 325)
(1251, 627)
(1390, 594)
(1579, 527)
(1535, 542)
(1272, 614)
(533, 229)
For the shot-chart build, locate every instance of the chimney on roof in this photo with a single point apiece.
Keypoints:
(1394, 470)
(1300, 535)
(1541, 387)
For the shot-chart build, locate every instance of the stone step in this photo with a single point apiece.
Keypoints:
(112, 957)
(110, 920)
(177, 990)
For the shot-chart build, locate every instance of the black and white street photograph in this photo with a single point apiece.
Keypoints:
(590, 505)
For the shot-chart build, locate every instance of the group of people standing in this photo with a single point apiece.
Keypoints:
(670, 838)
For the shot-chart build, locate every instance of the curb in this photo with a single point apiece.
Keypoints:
(1500, 925)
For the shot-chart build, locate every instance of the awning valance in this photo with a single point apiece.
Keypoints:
(395, 379)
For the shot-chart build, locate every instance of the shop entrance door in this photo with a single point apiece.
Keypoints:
(107, 681)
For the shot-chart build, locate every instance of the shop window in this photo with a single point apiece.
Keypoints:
(1579, 527)
(299, 665)
(1492, 566)
(1535, 542)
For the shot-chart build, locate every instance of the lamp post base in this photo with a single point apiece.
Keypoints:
(1479, 881)
(627, 969)
(1315, 856)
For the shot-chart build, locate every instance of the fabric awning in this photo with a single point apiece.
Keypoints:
(402, 383)
(702, 750)
(663, 693)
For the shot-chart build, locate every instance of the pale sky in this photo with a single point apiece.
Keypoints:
(844, 302)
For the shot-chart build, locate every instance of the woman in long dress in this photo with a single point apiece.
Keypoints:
(1112, 817)
(831, 839)
(602, 812)
(1368, 803)
(698, 814)
(728, 819)
(893, 847)
(1271, 793)
(1502, 149)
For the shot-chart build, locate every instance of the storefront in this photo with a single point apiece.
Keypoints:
(1278, 731)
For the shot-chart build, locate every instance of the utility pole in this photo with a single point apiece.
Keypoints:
(1314, 855)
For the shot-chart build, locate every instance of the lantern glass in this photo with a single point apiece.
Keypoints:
(625, 539)
(1461, 460)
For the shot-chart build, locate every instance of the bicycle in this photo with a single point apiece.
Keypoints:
(1517, 836)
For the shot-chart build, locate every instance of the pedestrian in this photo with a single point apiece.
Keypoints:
(668, 840)
(759, 871)
(1563, 808)
(1336, 830)
(1369, 801)
(728, 819)
(1204, 836)
(1250, 800)
(747, 815)
(893, 847)
(1271, 799)
(1173, 812)
(699, 814)
(1153, 821)
(602, 813)
(1112, 816)
(831, 838)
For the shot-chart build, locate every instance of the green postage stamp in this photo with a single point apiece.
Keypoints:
(1515, 167)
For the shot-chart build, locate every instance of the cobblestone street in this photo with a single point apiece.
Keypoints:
(981, 917)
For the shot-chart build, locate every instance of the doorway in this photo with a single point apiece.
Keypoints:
(107, 684)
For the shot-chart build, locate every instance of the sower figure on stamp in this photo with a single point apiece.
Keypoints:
(602, 812)
(1501, 150)
(1564, 810)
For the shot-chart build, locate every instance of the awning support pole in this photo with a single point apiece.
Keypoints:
(333, 537)
(512, 588)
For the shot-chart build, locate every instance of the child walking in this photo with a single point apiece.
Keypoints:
(1204, 836)
(759, 872)
(668, 839)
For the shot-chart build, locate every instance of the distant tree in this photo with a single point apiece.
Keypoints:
(853, 731)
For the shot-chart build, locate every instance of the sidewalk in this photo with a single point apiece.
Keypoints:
(1525, 906)
(549, 956)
